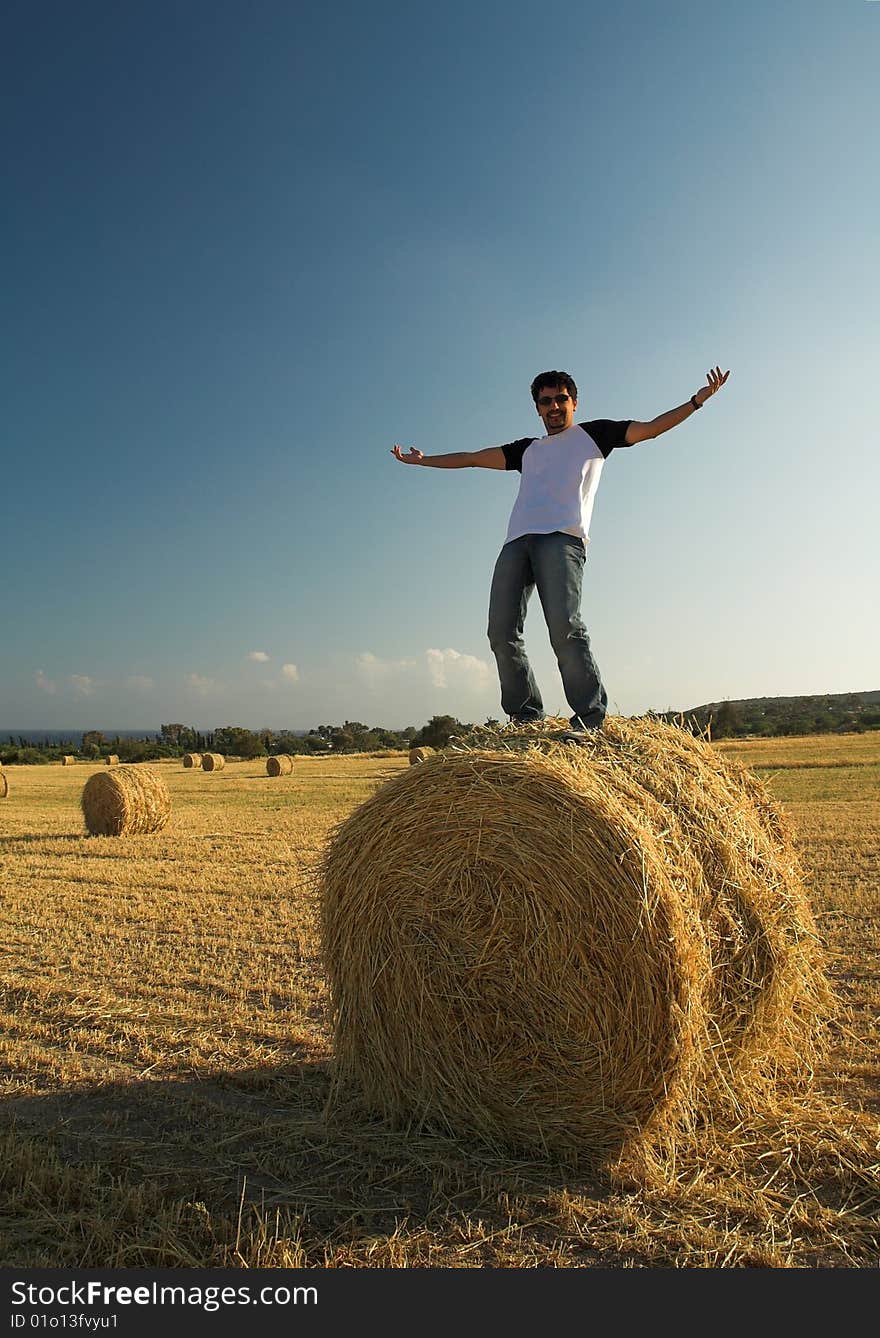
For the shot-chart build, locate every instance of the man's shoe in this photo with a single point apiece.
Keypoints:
(580, 733)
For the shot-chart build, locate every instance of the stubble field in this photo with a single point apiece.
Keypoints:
(165, 1056)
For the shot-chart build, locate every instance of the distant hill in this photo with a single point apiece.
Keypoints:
(836, 713)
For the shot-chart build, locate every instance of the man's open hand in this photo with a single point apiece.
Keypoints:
(715, 379)
(413, 456)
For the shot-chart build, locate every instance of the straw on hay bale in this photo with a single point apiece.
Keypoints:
(280, 764)
(569, 948)
(420, 754)
(126, 801)
(192, 759)
(112, 759)
(213, 761)
(4, 784)
(67, 760)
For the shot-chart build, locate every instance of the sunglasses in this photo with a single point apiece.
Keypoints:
(546, 400)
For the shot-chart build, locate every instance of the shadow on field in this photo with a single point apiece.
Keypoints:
(260, 1137)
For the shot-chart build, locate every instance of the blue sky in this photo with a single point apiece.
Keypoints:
(248, 247)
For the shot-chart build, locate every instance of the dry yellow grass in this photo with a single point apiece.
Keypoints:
(166, 1058)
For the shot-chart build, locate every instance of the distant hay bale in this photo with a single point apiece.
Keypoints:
(127, 801)
(569, 948)
(213, 761)
(192, 759)
(67, 760)
(280, 764)
(4, 784)
(420, 754)
(112, 759)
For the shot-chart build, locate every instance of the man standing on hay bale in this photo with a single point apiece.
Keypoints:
(547, 536)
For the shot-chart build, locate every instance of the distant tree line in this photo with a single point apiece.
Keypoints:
(843, 713)
(769, 717)
(174, 740)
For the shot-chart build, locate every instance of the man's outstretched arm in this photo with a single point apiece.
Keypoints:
(492, 457)
(637, 432)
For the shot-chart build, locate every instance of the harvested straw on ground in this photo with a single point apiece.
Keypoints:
(4, 784)
(126, 801)
(420, 754)
(280, 764)
(192, 759)
(569, 948)
(112, 759)
(67, 760)
(213, 761)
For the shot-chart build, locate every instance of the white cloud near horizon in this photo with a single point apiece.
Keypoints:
(259, 656)
(83, 684)
(45, 683)
(203, 686)
(290, 672)
(452, 668)
(377, 671)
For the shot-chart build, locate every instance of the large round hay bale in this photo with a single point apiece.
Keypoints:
(112, 759)
(213, 761)
(126, 801)
(280, 764)
(4, 784)
(420, 754)
(568, 948)
(67, 760)
(192, 759)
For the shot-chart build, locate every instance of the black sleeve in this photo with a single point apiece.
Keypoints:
(607, 433)
(514, 452)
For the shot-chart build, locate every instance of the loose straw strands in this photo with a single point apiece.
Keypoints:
(567, 948)
(126, 801)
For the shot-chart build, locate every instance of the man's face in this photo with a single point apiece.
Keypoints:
(556, 408)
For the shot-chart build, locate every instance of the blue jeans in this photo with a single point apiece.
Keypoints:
(554, 563)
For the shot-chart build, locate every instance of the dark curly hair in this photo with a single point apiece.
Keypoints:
(560, 379)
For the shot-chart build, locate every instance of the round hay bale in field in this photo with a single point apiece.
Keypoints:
(568, 948)
(125, 802)
(420, 754)
(280, 764)
(112, 759)
(67, 760)
(4, 784)
(213, 761)
(192, 759)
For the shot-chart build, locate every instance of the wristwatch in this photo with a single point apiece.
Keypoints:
(695, 402)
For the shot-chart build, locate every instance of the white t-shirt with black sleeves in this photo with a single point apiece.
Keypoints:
(560, 475)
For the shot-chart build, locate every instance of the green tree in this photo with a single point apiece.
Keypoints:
(727, 722)
(438, 731)
(93, 743)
